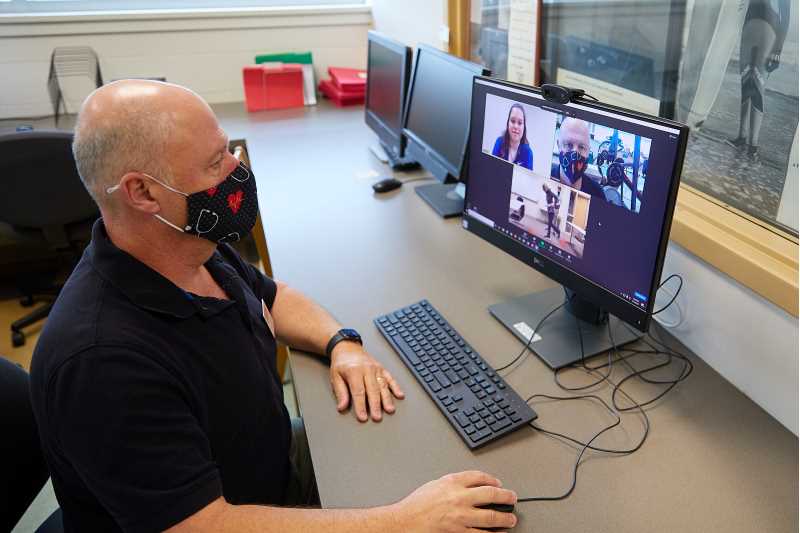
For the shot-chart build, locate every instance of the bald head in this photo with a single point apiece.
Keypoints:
(134, 126)
(574, 135)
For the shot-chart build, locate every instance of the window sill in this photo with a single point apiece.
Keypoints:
(759, 257)
(40, 24)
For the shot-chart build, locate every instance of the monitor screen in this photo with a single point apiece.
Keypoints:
(439, 105)
(583, 192)
(388, 63)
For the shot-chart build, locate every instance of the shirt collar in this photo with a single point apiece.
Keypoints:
(145, 287)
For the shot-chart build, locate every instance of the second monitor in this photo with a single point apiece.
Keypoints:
(437, 123)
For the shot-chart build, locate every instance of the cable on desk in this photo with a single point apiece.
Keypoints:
(622, 356)
(416, 179)
(530, 340)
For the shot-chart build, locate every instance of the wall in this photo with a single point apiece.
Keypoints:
(750, 341)
(394, 18)
(204, 51)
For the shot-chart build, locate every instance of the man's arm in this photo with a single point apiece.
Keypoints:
(445, 505)
(303, 324)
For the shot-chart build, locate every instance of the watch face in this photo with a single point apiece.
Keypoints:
(350, 333)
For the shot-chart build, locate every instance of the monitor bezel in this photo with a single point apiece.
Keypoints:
(586, 288)
(393, 138)
(421, 149)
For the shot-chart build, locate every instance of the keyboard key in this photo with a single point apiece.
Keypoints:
(435, 387)
(515, 417)
(480, 394)
(474, 417)
(447, 401)
(480, 435)
(462, 420)
(490, 419)
(500, 424)
(469, 430)
(442, 379)
(480, 424)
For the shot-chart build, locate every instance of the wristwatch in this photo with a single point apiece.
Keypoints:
(342, 335)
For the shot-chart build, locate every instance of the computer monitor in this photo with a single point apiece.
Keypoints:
(582, 192)
(388, 69)
(437, 123)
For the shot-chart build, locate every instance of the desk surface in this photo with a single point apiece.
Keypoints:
(714, 461)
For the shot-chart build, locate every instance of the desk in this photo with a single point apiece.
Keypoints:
(714, 460)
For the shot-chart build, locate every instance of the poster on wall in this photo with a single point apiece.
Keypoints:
(738, 92)
(608, 93)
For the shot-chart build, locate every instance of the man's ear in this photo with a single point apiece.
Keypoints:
(135, 189)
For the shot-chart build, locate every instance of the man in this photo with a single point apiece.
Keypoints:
(154, 383)
(573, 150)
(553, 205)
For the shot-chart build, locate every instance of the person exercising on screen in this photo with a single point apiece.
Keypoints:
(573, 150)
(513, 144)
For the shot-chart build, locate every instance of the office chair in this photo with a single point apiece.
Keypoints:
(46, 216)
(23, 471)
(518, 214)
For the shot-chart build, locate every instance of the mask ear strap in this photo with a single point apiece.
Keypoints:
(168, 223)
(114, 188)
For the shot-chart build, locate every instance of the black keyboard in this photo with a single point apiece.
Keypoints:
(476, 401)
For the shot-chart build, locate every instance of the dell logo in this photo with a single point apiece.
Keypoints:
(538, 262)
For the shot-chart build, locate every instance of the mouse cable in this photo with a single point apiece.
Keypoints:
(588, 445)
(530, 339)
(580, 336)
(583, 450)
(409, 180)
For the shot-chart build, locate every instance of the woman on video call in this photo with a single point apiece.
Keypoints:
(513, 145)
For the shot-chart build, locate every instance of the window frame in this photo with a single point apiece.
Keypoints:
(760, 256)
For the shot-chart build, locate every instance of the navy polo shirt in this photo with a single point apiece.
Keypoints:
(153, 402)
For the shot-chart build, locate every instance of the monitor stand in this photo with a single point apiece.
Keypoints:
(557, 342)
(387, 157)
(447, 200)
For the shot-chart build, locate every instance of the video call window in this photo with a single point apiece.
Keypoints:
(600, 161)
(549, 211)
(518, 133)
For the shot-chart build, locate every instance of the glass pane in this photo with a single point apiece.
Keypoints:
(727, 68)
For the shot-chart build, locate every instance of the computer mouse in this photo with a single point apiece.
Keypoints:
(500, 508)
(386, 185)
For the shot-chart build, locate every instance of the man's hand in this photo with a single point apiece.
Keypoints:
(356, 374)
(449, 505)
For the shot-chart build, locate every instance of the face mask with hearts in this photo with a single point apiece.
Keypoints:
(224, 213)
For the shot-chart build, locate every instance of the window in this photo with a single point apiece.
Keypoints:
(65, 6)
(728, 69)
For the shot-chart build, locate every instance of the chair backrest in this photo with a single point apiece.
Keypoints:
(41, 182)
(23, 470)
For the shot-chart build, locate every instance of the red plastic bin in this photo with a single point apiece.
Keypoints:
(273, 87)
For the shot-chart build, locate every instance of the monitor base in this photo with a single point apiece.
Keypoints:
(559, 345)
(387, 157)
(447, 200)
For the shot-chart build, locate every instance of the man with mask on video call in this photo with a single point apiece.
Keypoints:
(573, 151)
(154, 383)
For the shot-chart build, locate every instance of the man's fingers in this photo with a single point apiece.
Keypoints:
(373, 396)
(356, 383)
(340, 390)
(475, 478)
(486, 518)
(490, 494)
(393, 385)
(386, 395)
